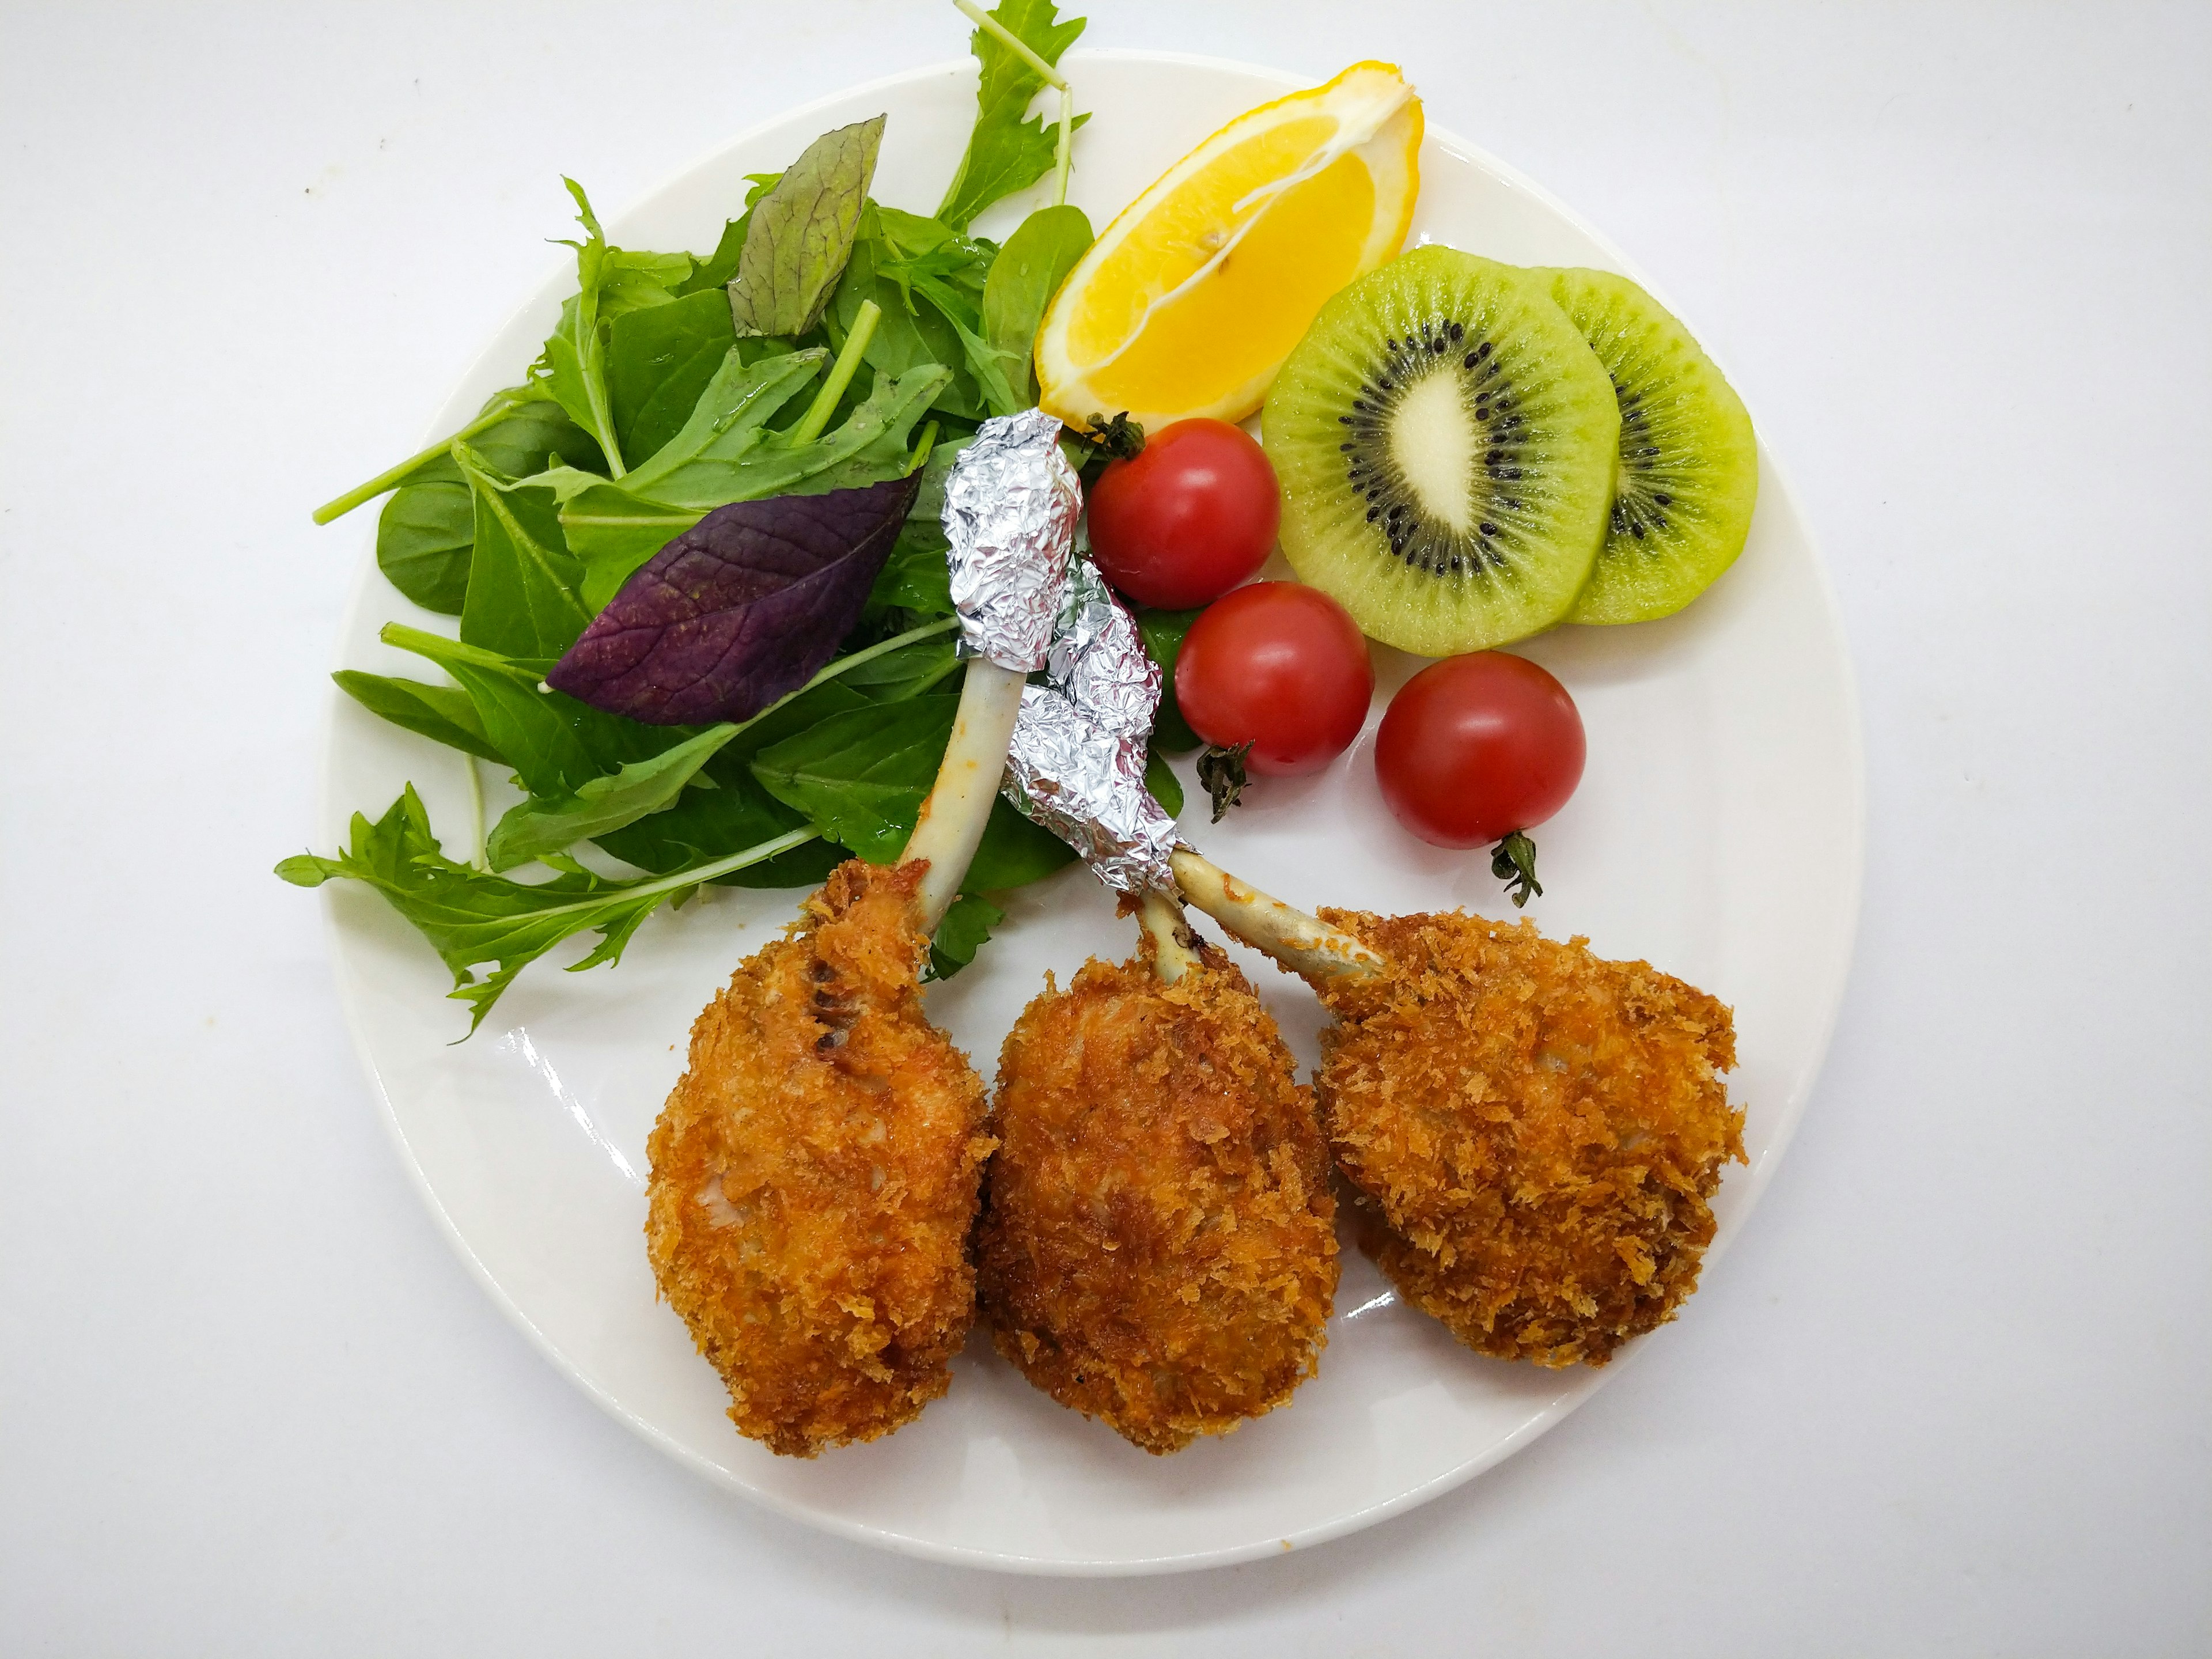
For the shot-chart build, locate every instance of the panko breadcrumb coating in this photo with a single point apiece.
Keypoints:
(1157, 1247)
(815, 1175)
(1542, 1129)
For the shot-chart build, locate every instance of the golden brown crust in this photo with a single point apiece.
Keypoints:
(1542, 1129)
(815, 1175)
(1157, 1247)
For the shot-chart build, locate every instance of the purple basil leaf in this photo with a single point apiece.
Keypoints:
(738, 610)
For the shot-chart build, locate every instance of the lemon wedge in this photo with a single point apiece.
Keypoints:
(1195, 295)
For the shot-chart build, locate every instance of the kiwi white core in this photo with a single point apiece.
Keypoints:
(1432, 440)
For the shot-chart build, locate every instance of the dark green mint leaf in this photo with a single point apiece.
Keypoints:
(801, 232)
(1004, 153)
(1027, 273)
(443, 713)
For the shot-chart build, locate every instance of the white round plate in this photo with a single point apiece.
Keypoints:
(1717, 834)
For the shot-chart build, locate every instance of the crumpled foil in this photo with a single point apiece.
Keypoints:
(1011, 504)
(1077, 765)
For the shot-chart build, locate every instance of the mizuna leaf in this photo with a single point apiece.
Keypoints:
(473, 920)
(1004, 153)
(738, 610)
(800, 233)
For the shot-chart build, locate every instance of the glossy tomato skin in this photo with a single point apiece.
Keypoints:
(1474, 748)
(1187, 518)
(1282, 666)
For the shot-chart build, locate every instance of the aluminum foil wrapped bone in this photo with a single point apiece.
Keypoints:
(1011, 504)
(1077, 765)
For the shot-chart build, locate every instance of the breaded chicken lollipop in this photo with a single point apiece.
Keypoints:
(1542, 1130)
(1157, 1247)
(815, 1171)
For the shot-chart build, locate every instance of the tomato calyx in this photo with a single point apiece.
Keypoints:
(1221, 770)
(1112, 438)
(1513, 861)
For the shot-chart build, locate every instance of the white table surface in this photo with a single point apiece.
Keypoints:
(1949, 1393)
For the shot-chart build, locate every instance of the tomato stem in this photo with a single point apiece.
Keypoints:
(1513, 861)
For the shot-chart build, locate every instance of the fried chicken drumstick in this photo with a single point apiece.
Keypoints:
(1542, 1130)
(816, 1170)
(1157, 1247)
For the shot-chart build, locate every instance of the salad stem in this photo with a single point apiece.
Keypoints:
(476, 813)
(1064, 151)
(506, 404)
(841, 375)
(1012, 42)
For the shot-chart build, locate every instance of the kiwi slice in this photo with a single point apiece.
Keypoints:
(1688, 473)
(1445, 442)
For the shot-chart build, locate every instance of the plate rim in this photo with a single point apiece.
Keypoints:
(1753, 1184)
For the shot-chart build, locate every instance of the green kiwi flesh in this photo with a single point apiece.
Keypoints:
(1688, 470)
(1446, 444)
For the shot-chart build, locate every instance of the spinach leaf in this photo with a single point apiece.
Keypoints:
(473, 918)
(964, 931)
(707, 824)
(801, 232)
(740, 609)
(1163, 632)
(1162, 784)
(659, 363)
(1004, 153)
(521, 599)
(535, 827)
(711, 274)
(426, 530)
(917, 576)
(1014, 852)
(860, 778)
(424, 539)
(443, 713)
(1027, 273)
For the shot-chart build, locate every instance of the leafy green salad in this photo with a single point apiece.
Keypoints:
(656, 545)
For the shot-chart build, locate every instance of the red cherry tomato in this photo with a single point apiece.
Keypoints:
(1281, 666)
(1474, 748)
(1187, 518)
